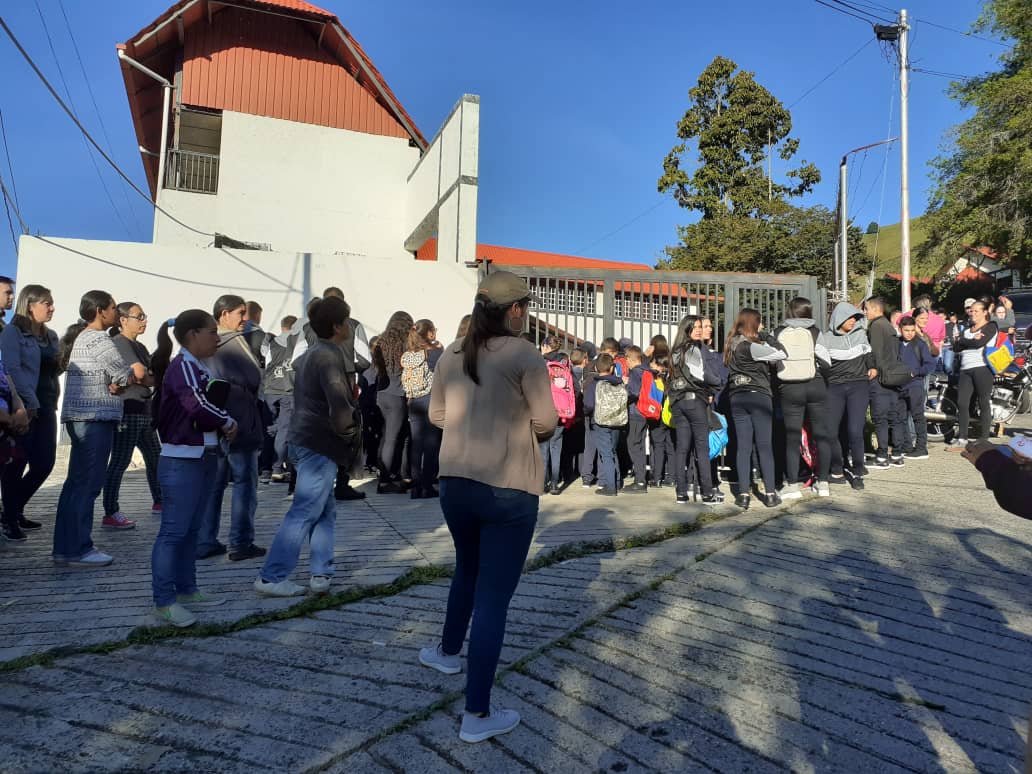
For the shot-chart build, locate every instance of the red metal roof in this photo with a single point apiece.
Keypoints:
(295, 61)
(514, 256)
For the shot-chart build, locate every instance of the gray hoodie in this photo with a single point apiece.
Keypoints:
(850, 352)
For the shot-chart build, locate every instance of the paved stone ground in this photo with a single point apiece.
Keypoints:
(888, 631)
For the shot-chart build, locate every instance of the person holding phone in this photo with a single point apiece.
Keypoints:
(1007, 471)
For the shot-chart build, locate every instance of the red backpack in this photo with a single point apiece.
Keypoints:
(620, 366)
(560, 377)
(650, 399)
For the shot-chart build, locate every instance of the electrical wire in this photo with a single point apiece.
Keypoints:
(871, 14)
(819, 83)
(96, 109)
(884, 178)
(616, 231)
(88, 136)
(961, 32)
(68, 93)
(843, 11)
(10, 223)
(940, 74)
(7, 153)
(13, 204)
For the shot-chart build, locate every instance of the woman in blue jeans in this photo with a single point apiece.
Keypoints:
(188, 426)
(95, 373)
(491, 397)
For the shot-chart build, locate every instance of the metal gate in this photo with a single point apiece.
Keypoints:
(588, 305)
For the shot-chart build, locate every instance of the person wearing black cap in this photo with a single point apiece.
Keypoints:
(492, 398)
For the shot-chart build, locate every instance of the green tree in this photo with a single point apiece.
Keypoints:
(872, 228)
(983, 191)
(733, 121)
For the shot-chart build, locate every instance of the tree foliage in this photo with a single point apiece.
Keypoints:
(983, 191)
(872, 228)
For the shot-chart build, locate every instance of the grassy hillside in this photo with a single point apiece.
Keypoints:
(887, 259)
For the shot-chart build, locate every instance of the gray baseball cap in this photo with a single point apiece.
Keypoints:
(504, 288)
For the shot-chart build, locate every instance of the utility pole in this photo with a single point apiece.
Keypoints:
(770, 187)
(904, 177)
(843, 231)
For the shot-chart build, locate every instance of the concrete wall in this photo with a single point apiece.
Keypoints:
(299, 187)
(193, 277)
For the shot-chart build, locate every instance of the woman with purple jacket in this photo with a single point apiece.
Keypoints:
(188, 425)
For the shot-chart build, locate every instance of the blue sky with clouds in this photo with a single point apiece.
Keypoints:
(579, 104)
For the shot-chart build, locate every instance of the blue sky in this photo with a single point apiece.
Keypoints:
(579, 104)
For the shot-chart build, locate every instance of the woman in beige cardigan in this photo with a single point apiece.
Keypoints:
(492, 399)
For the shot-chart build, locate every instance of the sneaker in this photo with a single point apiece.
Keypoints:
(176, 615)
(880, 463)
(216, 550)
(265, 477)
(388, 487)
(319, 584)
(156, 508)
(93, 558)
(715, 498)
(477, 729)
(279, 477)
(13, 533)
(897, 461)
(917, 454)
(199, 599)
(957, 445)
(284, 588)
(435, 658)
(349, 493)
(790, 492)
(822, 489)
(638, 487)
(28, 524)
(742, 501)
(587, 483)
(838, 478)
(605, 491)
(682, 498)
(241, 553)
(771, 499)
(118, 520)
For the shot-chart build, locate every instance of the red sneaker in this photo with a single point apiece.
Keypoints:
(118, 521)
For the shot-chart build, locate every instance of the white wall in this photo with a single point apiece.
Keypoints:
(299, 187)
(375, 286)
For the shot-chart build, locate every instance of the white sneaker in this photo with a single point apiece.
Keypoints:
(435, 658)
(284, 588)
(319, 584)
(478, 729)
(176, 615)
(822, 489)
(790, 492)
(94, 558)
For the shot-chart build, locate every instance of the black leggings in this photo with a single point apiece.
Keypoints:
(691, 431)
(980, 382)
(849, 400)
(799, 401)
(426, 443)
(395, 432)
(753, 415)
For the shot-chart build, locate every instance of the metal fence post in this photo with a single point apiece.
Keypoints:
(608, 307)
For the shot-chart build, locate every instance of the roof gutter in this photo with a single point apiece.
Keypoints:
(165, 23)
(166, 100)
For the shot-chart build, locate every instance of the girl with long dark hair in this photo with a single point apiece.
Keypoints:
(136, 430)
(690, 386)
(975, 376)
(748, 354)
(418, 364)
(390, 398)
(30, 352)
(492, 398)
(95, 373)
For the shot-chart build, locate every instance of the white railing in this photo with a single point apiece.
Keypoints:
(191, 171)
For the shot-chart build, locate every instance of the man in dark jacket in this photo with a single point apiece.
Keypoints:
(886, 412)
(918, 358)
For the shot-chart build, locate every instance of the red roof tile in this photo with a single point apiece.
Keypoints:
(514, 256)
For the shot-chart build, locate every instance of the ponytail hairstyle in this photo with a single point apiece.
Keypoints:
(683, 340)
(124, 309)
(747, 326)
(419, 337)
(487, 322)
(92, 303)
(190, 320)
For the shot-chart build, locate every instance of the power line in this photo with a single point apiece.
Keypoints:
(7, 152)
(819, 83)
(88, 136)
(961, 32)
(952, 76)
(68, 93)
(870, 14)
(633, 220)
(13, 204)
(10, 223)
(96, 109)
(864, 19)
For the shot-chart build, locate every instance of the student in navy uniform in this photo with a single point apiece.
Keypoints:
(589, 457)
(916, 355)
(637, 425)
(606, 435)
(661, 437)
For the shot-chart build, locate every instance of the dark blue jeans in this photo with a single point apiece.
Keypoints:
(243, 467)
(848, 400)
(87, 469)
(691, 433)
(426, 443)
(186, 485)
(552, 454)
(606, 440)
(587, 460)
(753, 416)
(39, 446)
(888, 413)
(492, 529)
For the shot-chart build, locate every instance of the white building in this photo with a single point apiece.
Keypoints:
(281, 163)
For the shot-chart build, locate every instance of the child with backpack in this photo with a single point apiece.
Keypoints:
(803, 392)
(564, 396)
(639, 379)
(914, 352)
(606, 401)
(661, 439)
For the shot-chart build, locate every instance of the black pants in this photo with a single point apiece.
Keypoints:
(39, 450)
(801, 401)
(426, 443)
(636, 429)
(691, 431)
(587, 460)
(395, 432)
(662, 443)
(372, 433)
(753, 416)
(888, 413)
(848, 400)
(977, 381)
(914, 397)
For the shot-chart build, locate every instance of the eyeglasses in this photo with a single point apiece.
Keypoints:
(140, 317)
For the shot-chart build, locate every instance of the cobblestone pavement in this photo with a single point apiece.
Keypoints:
(884, 631)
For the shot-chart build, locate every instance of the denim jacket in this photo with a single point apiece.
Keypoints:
(21, 356)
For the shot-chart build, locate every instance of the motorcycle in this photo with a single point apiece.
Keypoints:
(1011, 395)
